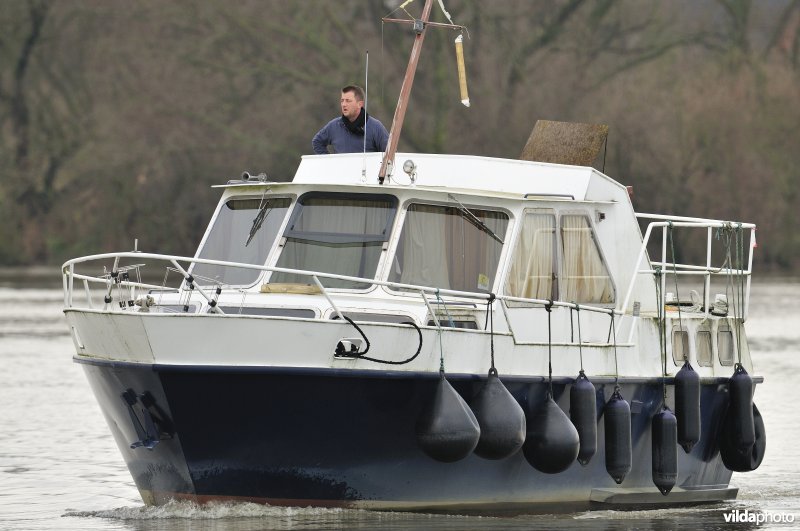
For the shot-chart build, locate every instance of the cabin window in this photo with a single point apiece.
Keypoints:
(374, 317)
(704, 348)
(449, 247)
(680, 346)
(725, 345)
(336, 233)
(532, 271)
(446, 323)
(243, 231)
(584, 276)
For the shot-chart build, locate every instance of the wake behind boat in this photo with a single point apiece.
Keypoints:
(471, 334)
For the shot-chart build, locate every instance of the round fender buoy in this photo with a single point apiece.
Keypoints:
(501, 420)
(664, 432)
(447, 430)
(687, 406)
(552, 441)
(740, 409)
(583, 413)
(617, 424)
(739, 460)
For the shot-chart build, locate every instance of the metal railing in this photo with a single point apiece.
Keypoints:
(665, 267)
(109, 279)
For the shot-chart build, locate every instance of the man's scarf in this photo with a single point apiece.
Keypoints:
(356, 127)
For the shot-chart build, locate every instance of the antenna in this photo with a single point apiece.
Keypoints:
(366, 119)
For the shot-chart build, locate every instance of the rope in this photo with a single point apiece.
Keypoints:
(734, 235)
(675, 275)
(580, 339)
(441, 354)
(361, 355)
(441, 346)
(740, 272)
(440, 303)
(446, 14)
(490, 316)
(616, 360)
(662, 339)
(549, 308)
(398, 8)
(571, 325)
(163, 286)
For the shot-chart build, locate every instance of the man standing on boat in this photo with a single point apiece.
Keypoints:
(346, 133)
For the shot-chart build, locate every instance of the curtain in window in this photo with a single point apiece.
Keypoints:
(531, 274)
(422, 253)
(441, 247)
(584, 277)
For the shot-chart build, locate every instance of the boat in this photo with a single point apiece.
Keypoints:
(455, 333)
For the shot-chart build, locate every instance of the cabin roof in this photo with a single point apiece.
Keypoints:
(466, 173)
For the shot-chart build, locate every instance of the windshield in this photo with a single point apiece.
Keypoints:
(336, 233)
(449, 247)
(244, 231)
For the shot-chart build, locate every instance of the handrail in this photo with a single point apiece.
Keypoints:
(68, 271)
(707, 270)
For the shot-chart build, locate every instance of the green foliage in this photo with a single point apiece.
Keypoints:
(116, 117)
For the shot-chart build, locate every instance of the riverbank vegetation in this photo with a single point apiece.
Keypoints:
(116, 117)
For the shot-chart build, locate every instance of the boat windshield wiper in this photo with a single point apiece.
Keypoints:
(476, 220)
(263, 211)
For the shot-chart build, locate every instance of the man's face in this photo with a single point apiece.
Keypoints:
(351, 107)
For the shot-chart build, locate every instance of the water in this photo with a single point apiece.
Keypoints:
(60, 469)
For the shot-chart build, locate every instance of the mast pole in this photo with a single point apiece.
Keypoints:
(405, 91)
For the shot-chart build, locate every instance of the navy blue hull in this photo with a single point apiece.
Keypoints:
(346, 438)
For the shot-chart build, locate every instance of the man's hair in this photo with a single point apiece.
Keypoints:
(355, 89)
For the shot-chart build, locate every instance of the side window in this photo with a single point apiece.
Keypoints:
(704, 349)
(584, 276)
(449, 247)
(532, 271)
(680, 346)
(725, 345)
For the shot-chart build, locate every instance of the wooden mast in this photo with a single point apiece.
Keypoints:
(405, 91)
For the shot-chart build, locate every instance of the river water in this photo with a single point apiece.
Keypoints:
(60, 469)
